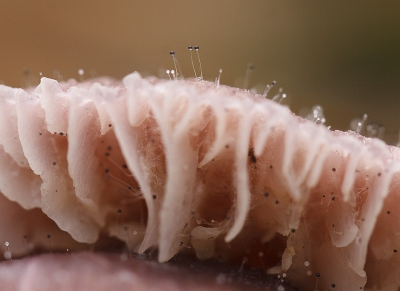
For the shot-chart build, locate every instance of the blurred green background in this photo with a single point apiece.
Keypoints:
(343, 55)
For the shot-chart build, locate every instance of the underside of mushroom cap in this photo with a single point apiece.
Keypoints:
(188, 166)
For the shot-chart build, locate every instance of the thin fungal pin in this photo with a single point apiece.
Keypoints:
(178, 70)
(81, 73)
(249, 73)
(196, 48)
(268, 88)
(49, 243)
(361, 125)
(27, 74)
(244, 261)
(191, 59)
(168, 73)
(398, 140)
(26, 244)
(278, 98)
(317, 275)
(58, 76)
(172, 54)
(218, 79)
(7, 253)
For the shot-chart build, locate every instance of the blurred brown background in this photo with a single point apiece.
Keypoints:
(344, 55)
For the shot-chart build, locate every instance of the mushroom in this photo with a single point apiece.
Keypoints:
(189, 166)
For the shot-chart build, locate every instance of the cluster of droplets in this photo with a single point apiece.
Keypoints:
(358, 125)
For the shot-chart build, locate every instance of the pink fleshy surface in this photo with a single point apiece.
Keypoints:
(103, 272)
